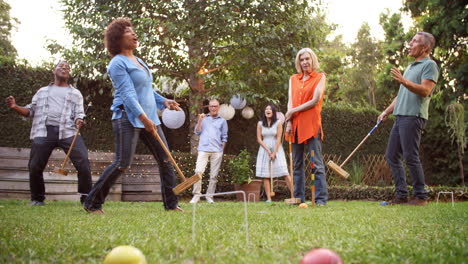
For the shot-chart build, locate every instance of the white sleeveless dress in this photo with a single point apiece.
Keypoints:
(280, 168)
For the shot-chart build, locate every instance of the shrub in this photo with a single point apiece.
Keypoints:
(239, 168)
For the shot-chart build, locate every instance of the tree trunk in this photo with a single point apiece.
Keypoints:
(196, 96)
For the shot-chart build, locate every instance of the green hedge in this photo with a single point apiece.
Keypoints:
(344, 126)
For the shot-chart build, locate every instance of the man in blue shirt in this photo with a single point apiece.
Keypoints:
(410, 108)
(212, 130)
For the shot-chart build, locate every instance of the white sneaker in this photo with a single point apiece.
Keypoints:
(195, 199)
(209, 199)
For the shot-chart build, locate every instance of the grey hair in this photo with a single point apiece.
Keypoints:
(428, 39)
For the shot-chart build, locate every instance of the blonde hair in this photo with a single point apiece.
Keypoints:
(315, 64)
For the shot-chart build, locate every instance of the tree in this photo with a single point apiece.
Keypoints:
(7, 50)
(360, 77)
(216, 47)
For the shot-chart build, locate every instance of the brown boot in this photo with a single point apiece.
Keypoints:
(417, 201)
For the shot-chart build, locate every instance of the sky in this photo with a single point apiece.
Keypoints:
(41, 20)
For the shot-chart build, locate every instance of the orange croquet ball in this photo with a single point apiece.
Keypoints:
(321, 256)
(303, 205)
(125, 255)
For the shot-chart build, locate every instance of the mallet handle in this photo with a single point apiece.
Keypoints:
(70, 149)
(360, 144)
(74, 139)
(156, 135)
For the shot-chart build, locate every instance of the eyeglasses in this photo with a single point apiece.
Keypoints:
(214, 106)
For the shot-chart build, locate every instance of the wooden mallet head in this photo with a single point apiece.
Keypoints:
(337, 169)
(61, 171)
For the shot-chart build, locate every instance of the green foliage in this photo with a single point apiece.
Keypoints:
(362, 192)
(359, 84)
(239, 167)
(455, 120)
(7, 23)
(360, 232)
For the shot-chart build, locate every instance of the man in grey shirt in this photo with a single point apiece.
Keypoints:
(410, 108)
(57, 112)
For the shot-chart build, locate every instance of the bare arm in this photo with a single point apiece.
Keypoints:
(11, 103)
(424, 89)
(383, 116)
(260, 138)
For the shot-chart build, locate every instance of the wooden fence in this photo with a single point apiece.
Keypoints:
(140, 183)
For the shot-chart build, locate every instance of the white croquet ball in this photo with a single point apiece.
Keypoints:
(247, 112)
(226, 111)
(173, 119)
(280, 116)
(125, 255)
(238, 102)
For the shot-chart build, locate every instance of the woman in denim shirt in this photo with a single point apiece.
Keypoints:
(134, 116)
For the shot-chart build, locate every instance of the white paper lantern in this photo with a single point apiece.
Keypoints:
(247, 112)
(280, 116)
(238, 102)
(226, 111)
(173, 119)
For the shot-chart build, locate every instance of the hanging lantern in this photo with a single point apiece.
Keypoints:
(238, 102)
(173, 119)
(247, 112)
(226, 111)
(280, 116)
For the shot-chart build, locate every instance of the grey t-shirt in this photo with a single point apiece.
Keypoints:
(56, 103)
(409, 103)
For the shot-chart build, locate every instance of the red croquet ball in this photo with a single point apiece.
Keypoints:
(321, 256)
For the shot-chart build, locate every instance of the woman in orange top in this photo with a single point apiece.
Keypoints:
(304, 122)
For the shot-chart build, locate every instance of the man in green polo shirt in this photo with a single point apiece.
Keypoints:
(410, 108)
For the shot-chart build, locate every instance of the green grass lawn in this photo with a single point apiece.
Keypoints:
(360, 232)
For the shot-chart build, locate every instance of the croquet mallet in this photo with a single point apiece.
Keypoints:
(312, 177)
(339, 169)
(272, 193)
(62, 169)
(186, 183)
(291, 200)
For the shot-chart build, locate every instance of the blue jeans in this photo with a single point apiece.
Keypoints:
(41, 149)
(126, 139)
(321, 193)
(404, 142)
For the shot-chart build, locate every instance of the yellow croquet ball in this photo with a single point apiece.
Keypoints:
(303, 205)
(125, 255)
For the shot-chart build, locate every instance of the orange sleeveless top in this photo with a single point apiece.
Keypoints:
(306, 124)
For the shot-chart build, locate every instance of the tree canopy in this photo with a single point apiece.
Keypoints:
(7, 23)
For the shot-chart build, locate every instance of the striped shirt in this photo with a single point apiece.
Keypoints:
(71, 111)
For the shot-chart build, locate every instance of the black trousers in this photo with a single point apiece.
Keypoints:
(126, 139)
(41, 150)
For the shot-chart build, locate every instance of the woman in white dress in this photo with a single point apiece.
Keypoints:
(269, 132)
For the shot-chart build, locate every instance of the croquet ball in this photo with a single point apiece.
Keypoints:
(125, 255)
(321, 256)
(303, 205)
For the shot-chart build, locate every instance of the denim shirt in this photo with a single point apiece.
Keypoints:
(133, 89)
(212, 135)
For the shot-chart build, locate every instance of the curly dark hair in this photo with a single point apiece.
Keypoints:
(114, 33)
